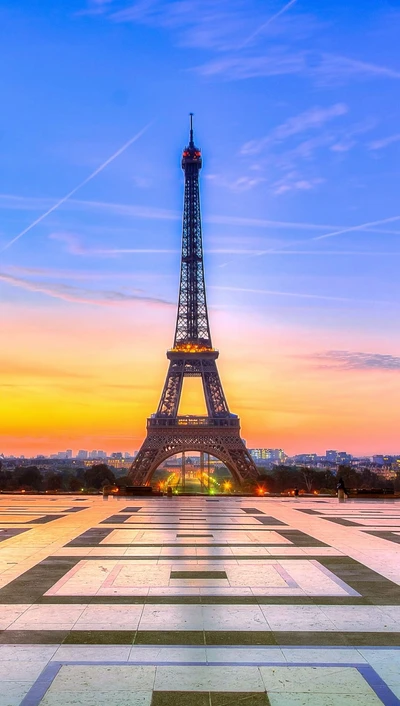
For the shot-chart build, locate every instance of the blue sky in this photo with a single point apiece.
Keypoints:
(297, 113)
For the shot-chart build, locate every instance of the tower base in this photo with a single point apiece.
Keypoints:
(217, 437)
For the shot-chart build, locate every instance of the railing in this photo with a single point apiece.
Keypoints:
(193, 421)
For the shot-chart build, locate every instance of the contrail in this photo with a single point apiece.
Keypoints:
(268, 22)
(363, 226)
(71, 193)
(350, 229)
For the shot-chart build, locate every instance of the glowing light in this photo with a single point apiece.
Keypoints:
(260, 490)
(191, 348)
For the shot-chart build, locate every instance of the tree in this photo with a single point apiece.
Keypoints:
(97, 475)
(74, 484)
(54, 481)
(28, 477)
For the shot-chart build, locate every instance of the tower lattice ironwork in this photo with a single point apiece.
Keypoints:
(192, 355)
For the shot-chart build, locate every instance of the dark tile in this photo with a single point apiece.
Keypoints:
(34, 637)
(90, 538)
(12, 532)
(301, 539)
(198, 574)
(340, 521)
(286, 600)
(31, 585)
(310, 638)
(270, 521)
(239, 637)
(373, 639)
(252, 511)
(180, 698)
(100, 637)
(240, 698)
(194, 535)
(169, 637)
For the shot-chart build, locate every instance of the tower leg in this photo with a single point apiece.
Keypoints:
(224, 443)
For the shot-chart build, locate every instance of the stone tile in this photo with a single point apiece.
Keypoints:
(313, 680)
(96, 698)
(208, 679)
(106, 679)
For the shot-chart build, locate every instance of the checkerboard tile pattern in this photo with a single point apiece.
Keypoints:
(279, 602)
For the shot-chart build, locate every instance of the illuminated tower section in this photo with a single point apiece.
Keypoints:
(192, 355)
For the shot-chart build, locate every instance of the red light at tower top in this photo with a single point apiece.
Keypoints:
(191, 154)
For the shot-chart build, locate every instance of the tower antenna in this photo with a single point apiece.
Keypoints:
(191, 130)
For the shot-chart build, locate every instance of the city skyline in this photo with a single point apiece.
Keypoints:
(300, 222)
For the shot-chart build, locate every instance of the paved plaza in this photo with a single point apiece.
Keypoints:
(199, 601)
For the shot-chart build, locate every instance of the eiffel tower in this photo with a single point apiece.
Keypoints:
(192, 355)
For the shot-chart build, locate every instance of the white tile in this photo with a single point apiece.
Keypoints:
(296, 617)
(295, 699)
(82, 698)
(233, 617)
(93, 678)
(171, 617)
(206, 678)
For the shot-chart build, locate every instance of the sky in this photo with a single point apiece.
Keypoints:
(297, 113)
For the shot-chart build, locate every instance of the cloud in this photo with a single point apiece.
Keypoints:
(323, 69)
(293, 183)
(74, 247)
(348, 360)
(234, 68)
(312, 119)
(334, 68)
(16, 202)
(79, 295)
(385, 142)
(298, 295)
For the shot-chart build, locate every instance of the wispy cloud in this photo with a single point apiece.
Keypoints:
(312, 119)
(301, 295)
(384, 142)
(323, 69)
(292, 182)
(16, 202)
(80, 295)
(75, 247)
(349, 360)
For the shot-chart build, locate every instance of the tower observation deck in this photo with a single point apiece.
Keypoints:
(192, 355)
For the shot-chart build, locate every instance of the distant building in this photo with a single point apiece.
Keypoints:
(331, 456)
(116, 456)
(68, 453)
(310, 459)
(343, 457)
(93, 454)
(82, 454)
(267, 454)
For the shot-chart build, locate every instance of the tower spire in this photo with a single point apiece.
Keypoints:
(191, 142)
(192, 326)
